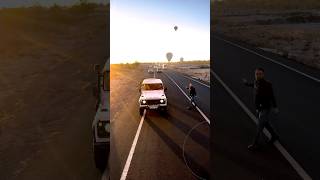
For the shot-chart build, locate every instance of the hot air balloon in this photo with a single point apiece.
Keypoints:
(175, 28)
(169, 56)
(181, 59)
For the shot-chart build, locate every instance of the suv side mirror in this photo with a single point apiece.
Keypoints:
(165, 88)
(140, 87)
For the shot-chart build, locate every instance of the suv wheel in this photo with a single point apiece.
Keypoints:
(163, 110)
(100, 158)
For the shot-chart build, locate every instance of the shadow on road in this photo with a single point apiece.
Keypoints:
(194, 165)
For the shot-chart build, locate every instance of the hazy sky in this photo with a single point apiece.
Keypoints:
(143, 30)
(18, 3)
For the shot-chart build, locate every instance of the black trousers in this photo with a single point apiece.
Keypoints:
(264, 122)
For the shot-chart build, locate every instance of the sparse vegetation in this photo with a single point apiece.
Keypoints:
(80, 8)
(259, 5)
(195, 62)
(134, 65)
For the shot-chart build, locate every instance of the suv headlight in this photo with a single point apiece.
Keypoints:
(103, 129)
(144, 102)
(162, 101)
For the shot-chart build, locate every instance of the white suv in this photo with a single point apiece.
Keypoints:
(152, 95)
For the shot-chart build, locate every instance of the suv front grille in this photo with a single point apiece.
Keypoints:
(153, 102)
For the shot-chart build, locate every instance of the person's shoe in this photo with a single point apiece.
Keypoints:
(253, 147)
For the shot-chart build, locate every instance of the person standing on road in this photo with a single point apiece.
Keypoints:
(264, 103)
(192, 94)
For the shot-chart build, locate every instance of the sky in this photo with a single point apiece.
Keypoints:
(143, 30)
(19, 3)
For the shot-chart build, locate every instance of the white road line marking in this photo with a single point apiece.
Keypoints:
(200, 111)
(133, 147)
(197, 81)
(269, 59)
(303, 174)
(105, 175)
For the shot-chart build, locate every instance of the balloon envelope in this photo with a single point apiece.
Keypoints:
(175, 28)
(169, 56)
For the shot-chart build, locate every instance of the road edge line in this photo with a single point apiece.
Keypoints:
(105, 175)
(197, 81)
(133, 147)
(199, 110)
(302, 173)
(269, 59)
(208, 86)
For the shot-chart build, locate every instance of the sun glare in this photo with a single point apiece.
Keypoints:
(136, 38)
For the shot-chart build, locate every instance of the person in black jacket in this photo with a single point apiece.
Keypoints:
(192, 94)
(264, 100)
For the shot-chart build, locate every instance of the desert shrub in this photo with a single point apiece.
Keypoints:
(55, 8)
(84, 7)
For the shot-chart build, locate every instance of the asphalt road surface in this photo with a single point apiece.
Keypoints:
(296, 89)
(61, 143)
(48, 96)
(160, 151)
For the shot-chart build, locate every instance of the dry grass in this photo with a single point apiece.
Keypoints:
(280, 27)
(260, 5)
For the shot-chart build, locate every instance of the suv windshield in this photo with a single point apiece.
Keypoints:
(147, 87)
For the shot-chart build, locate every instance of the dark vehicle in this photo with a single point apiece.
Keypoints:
(101, 122)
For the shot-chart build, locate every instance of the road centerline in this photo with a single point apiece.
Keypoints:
(133, 147)
(105, 175)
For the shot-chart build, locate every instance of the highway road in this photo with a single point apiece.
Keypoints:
(170, 146)
(296, 89)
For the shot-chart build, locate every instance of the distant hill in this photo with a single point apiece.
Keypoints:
(270, 4)
(20, 3)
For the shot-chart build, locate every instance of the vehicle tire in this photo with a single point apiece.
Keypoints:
(163, 110)
(100, 158)
(141, 111)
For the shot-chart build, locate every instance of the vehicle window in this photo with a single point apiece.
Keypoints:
(106, 81)
(156, 86)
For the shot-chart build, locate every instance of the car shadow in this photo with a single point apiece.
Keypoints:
(195, 135)
(192, 163)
